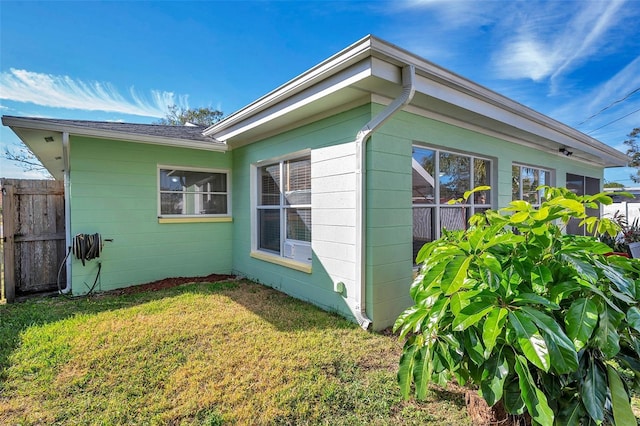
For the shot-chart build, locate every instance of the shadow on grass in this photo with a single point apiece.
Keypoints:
(455, 396)
(37, 311)
(285, 312)
(280, 310)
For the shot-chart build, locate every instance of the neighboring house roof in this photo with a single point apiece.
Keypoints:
(370, 71)
(44, 136)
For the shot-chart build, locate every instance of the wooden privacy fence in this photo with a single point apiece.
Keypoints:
(34, 236)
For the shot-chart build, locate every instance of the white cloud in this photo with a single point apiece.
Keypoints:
(454, 14)
(65, 92)
(526, 58)
(546, 41)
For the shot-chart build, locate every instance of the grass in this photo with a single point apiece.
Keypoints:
(223, 353)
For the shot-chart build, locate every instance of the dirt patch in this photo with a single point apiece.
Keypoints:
(170, 282)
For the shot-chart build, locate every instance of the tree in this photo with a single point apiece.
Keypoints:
(634, 152)
(613, 185)
(26, 159)
(535, 319)
(178, 116)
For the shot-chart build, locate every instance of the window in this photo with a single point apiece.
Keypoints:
(192, 192)
(582, 185)
(440, 176)
(284, 208)
(525, 180)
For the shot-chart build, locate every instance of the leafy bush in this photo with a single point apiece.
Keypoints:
(629, 233)
(536, 319)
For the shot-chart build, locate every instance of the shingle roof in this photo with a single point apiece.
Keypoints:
(193, 133)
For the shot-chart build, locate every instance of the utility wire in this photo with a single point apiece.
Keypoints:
(611, 122)
(627, 96)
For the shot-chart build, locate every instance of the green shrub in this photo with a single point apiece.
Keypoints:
(534, 318)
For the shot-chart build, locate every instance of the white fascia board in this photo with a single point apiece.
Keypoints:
(386, 70)
(438, 82)
(323, 88)
(492, 133)
(26, 123)
(341, 60)
(606, 161)
(522, 119)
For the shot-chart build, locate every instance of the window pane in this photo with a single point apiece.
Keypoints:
(423, 181)
(213, 204)
(270, 185)
(192, 204)
(298, 181)
(455, 176)
(545, 177)
(284, 209)
(190, 181)
(269, 230)
(592, 186)
(217, 183)
(481, 177)
(575, 184)
(515, 183)
(530, 181)
(169, 181)
(453, 218)
(299, 224)
(582, 185)
(171, 203)
(422, 228)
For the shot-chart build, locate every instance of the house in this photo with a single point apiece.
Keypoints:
(324, 188)
(627, 206)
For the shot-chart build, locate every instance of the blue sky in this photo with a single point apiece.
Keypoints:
(128, 61)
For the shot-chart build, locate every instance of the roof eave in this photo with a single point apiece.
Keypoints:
(370, 46)
(21, 122)
(435, 72)
(341, 60)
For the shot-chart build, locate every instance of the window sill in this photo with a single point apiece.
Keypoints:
(293, 264)
(195, 219)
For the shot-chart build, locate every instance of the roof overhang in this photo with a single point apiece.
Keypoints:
(44, 139)
(370, 71)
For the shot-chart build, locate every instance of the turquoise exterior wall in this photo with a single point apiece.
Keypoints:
(114, 192)
(390, 221)
(316, 286)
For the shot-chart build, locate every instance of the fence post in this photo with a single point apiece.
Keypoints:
(8, 218)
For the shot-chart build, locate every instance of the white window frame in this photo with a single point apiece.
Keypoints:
(437, 205)
(227, 192)
(540, 169)
(282, 207)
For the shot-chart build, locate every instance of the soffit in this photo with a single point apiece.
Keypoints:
(50, 154)
(33, 131)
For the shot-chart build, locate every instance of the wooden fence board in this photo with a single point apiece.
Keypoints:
(33, 218)
(9, 226)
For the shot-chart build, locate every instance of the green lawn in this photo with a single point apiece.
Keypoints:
(219, 353)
